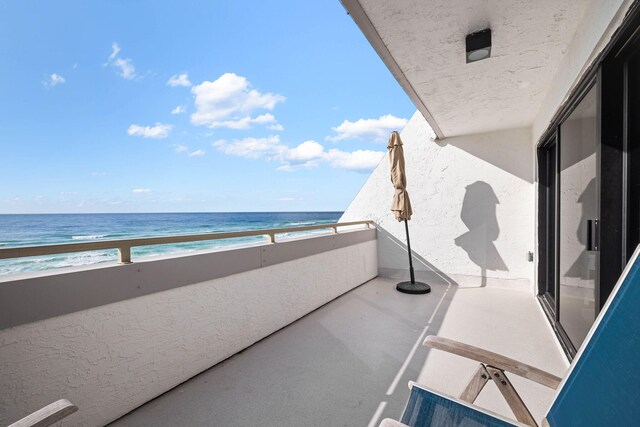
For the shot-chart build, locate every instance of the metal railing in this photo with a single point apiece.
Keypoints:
(124, 245)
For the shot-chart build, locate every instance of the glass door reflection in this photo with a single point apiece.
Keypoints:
(578, 211)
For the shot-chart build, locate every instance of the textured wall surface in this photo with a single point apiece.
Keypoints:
(110, 359)
(427, 40)
(597, 26)
(473, 203)
(26, 298)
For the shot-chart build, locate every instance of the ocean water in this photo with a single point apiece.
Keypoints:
(30, 230)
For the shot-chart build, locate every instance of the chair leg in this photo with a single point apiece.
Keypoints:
(511, 396)
(476, 384)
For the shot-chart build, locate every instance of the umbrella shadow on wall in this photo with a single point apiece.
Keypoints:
(479, 215)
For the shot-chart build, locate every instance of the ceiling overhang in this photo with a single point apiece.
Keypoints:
(366, 26)
(423, 45)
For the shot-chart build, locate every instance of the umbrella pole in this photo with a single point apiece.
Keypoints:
(412, 287)
(413, 277)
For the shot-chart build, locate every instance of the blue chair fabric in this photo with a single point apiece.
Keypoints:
(602, 387)
(427, 408)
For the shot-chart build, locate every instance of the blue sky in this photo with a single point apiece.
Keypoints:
(163, 106)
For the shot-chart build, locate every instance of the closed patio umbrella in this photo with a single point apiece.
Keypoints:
(401, 207)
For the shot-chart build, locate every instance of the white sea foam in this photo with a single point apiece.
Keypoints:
(302, 234)
(85, 258)
(90, 237)
(59, 232)
(11, 269)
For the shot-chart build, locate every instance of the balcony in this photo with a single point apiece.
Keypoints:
(348, 363)
(300, 332)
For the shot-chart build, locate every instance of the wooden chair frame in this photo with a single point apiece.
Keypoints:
(48, 415)
(494, 366)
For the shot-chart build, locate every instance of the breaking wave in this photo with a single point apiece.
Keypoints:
(28, 230)
(90, 237)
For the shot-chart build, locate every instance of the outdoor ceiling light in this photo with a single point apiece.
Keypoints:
(478, 45)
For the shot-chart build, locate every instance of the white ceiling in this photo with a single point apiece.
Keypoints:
(427, 41)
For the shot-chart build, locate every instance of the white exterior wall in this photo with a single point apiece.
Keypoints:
(440, 174)
(600, 21)
(110, 359)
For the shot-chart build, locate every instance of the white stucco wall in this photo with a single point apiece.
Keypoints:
(456, 185)
(600, 21)
(110, 359)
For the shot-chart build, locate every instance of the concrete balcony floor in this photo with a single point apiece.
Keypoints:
(348, 363)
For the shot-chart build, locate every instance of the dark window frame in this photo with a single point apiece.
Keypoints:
(610, 74)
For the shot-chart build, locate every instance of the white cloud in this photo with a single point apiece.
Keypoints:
(56, 79)
(125, 65)
(307, 151)
(127, 70)
(179, 110)
(277, 127)
(252, 148)
(358, 161)
(115, 50)
(246, 122)
(230, 102)
(98, 173)
(368, 129)
(53, 80)
(158, 131)
(307, 155)
(178, 148)
(141, 191)
(311, 164)
(179, 80)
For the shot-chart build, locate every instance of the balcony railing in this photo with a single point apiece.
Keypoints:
(124, 245)
(144, 328)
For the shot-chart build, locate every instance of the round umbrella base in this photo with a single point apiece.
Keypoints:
(413, 288)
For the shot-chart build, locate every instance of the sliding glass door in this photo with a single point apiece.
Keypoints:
(578, 222)
(547, 224)
(568, 222)
(589, 189)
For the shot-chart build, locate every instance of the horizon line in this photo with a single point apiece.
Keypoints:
(173, 212)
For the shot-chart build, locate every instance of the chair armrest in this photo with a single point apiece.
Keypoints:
(493, 359)
(48, 415)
